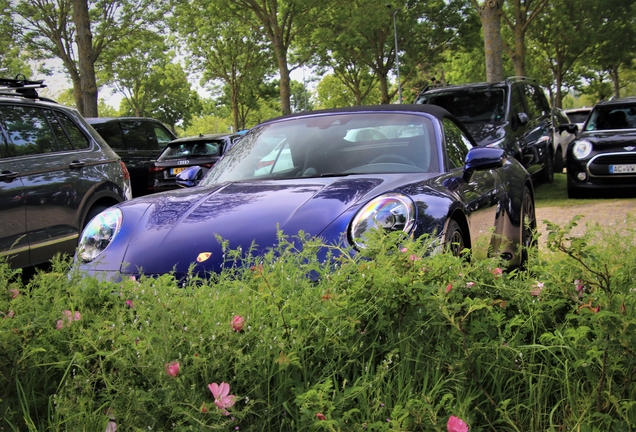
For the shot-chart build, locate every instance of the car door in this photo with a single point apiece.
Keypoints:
(538, 132)
(53, 174)
(481, 193)
(14, 244)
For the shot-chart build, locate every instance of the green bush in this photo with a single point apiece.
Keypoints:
(398, 339)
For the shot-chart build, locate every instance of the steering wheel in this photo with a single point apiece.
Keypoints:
(392, 158)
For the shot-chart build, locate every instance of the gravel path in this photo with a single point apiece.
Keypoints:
(610, 213)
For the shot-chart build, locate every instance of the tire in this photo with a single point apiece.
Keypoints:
(573, 191)
(528, 226)
(454, 239)
(547, 173)
(558, 161)
(94, 211)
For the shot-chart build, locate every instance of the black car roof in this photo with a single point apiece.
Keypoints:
(434, 110)
(203, 137)
(93, 120)
(619, 101)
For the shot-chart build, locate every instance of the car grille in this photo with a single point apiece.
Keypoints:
(599, 165)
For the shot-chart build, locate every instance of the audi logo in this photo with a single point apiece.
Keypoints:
(184, 162)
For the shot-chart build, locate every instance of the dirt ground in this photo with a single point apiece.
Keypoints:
(606, 213)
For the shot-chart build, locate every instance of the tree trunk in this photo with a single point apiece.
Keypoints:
(490, 15)
(84, 39)
(384, 89)
(614, 75)
(283, 70)
(519, 55)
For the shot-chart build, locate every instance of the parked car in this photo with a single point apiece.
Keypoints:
(201, 150)
(603, 157)
(138, 140)
(513, 114)
(436, 181)
(578, 115)
(56, 174)
(564, 133)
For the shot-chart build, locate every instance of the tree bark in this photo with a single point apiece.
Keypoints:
(490, 15)
(84, 39)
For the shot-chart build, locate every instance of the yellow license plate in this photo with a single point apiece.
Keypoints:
(175, 171)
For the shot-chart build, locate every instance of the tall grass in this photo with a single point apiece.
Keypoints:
(393, 339)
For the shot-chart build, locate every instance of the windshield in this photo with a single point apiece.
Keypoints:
(331, 145)
(470, 105)
(178, 150)
(612, 117)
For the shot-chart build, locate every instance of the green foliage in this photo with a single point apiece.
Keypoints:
(396, 338)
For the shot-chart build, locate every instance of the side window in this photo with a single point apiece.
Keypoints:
(62, 139)
(138, 135)
(78, 138)
(163, 135)
(457, 144)
(536, 101)
(28, 130)
(111, 133)
(517, 102)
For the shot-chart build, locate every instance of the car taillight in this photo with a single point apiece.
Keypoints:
(124, 171)
(154, 168)
(208, 165)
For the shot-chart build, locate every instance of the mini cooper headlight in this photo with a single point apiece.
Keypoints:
(98, 234)
(582, 149)
(391, 212)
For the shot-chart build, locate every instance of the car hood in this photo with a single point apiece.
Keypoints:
(177, 229)
(610, 138)
(486, 133)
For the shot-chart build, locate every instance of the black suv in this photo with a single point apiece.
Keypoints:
(56, 173)
(603, 157)
(139, 141)
(514, 114)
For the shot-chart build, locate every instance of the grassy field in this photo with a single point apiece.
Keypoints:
(556, 194)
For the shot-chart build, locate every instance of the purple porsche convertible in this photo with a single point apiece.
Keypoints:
(335, 174)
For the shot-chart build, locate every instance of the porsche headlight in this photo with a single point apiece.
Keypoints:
(391, 212)
(98, 234)
(582, 149)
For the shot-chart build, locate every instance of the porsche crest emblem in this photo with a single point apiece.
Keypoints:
(203, 256)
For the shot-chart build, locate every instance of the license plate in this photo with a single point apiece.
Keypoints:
(175, 171)
(621, 169)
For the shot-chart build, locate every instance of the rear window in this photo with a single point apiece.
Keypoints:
(470, 105)
(191, 148)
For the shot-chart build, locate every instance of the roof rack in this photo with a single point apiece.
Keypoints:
(519, 78)
(20, 87)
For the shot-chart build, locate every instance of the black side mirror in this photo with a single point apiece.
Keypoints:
(569, 128)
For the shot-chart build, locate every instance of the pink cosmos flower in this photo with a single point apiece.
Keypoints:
(238, 322)
(455, 424)
(14, 293)
(404, 250)
(321, 416)
(580, 288)
(173, 368)
(414, 257)
(470, 284)
(130, 303)
(497, 272)
(77, 316)
(68, 314)
(59, 324)
(449, 287)
(222, 398)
